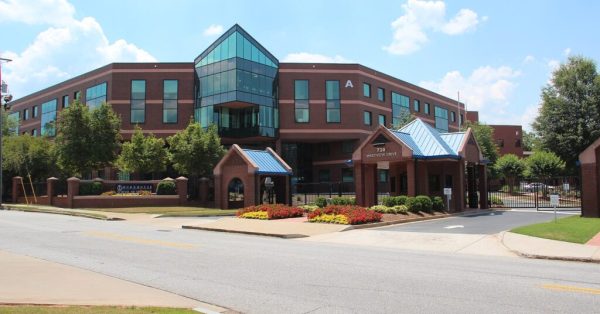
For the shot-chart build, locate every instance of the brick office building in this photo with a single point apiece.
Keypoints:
(313, 114)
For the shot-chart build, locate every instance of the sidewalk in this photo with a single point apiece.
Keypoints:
(533, 247)
(27, 280)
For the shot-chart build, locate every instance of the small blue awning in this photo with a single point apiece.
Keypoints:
(266, 161)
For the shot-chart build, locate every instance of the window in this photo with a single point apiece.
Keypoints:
(518, 143)
(301, 107)
(95, 95)
(25, 114)
(500, 142)
(367, 117)
(15, 117)
(170, 95)
(347, 175)
(77, 95)
(382, 175)
(453, 116)
(400, 105)
(434, 183)
(347, 147)
(324, 175)
(427, 108)
(34, 132)
(416, 105)
(49, 118)
(461, 119)
(138, 101)
(441, 119)
(65, 101)
(367, 90)
(332, 95)
(380, 94)
(382, 119)
(34, 112)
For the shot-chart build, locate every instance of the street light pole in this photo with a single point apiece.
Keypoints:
(1, 127)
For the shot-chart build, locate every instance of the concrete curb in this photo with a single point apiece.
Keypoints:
(266, 234)
(417, 219)
(60, 212)
(549, 257)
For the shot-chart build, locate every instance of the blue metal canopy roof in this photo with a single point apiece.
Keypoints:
(426, 142)
(266, 162)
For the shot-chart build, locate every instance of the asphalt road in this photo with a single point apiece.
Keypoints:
(267, 275)
(486, 223)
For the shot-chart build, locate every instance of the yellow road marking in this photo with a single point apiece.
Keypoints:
(120, 237)
(556, 287)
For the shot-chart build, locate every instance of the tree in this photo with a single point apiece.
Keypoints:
(484, 134)
(195, 151)
(8, 124)
(531, 141)
(510, 167)
(143, 154)
(569, 118)
(544, 165)
(86, 140)
(25, 154)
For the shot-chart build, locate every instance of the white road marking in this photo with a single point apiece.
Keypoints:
(454, 227)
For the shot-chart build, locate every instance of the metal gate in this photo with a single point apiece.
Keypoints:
(535, 193)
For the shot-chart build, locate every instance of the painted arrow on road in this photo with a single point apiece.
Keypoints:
(454, 227)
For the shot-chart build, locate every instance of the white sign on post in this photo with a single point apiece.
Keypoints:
(448, 192)
(554, 200)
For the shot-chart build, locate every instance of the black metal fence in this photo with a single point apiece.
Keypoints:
(535, 193)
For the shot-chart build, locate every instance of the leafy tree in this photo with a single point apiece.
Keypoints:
(569, 119)
(531, 141)
(510, 167)
(143, 154)
(86, 140)
(195, 151)
(544, 165)
(7, 123)
(26, 154)
(484, 134)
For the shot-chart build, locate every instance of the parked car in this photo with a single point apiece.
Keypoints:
(535, 186)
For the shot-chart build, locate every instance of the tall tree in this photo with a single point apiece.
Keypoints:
(195, 151)
(510, 167)
(531, 141)
(484, 134)
(25, 154)
(86, 140)
(569, 119)
(8, 124)
(143, 154)
(544, 165)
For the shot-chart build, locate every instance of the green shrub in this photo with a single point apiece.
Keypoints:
(93, 188)
(308, 208)
(496, 200)
(165, 188)
(426, 203)
(412, 205)
(379, 208)
(343, 201)
(321, 202)
(389, 201)
(438, 204)
(400, 209)
(401, 200)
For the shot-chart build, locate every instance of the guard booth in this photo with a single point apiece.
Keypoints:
(419, 160)
(246, 177)
(589, 161)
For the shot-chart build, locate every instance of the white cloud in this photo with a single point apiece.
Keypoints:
(62, 51)
(305, 57)
(213, 30)
(528, 59)
(487, 88)
(410, 29)
(567, 52)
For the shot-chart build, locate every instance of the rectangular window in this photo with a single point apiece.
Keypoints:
(77, 95)
(367, 90)
(382, 119)
(518, 143)
(400, 108)
(441, 119)
(34, 112)
(49, 118)
(65, 101)
(301, 105)
(461, 119)
(324, 175)
(427, 108)
(416, 105)
(500, 142)
(453, 116)
(367, 117)
(34, 132)
(14, 117)
(138, 101)
(95, 95)
(347, 175)
(347, 147)
(382, 175)
(332, 96)
(170, 95)
(25, 114)
(380, 94)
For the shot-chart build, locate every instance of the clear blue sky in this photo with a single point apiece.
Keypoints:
(498, 54)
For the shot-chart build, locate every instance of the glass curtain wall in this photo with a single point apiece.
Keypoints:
(237, 87)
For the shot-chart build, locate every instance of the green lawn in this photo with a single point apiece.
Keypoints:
(174, 211)
(30, 309)
(571, 229)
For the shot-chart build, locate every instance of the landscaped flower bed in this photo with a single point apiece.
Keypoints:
(344, 214)
(268, 212)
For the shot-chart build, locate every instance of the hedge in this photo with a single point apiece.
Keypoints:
(165, 188)
(93, 188)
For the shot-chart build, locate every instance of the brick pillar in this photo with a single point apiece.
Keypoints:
(181, 183)
(219, 194)
(411, 178)
(483, 193)
(370, 185)
(50, 186)
(72, 190)
(359, 190)
(16, 188)
(203, 190)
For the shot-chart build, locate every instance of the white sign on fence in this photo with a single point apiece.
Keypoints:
(566, 187)
(553, 199)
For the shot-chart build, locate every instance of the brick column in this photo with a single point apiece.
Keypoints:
(370, 185)
(50, 186)
(410, 178)
(72, 190)
(203, 190)
(182, 183)
(16, 188)
(359, 190)
(483, 193)
(219, 194)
